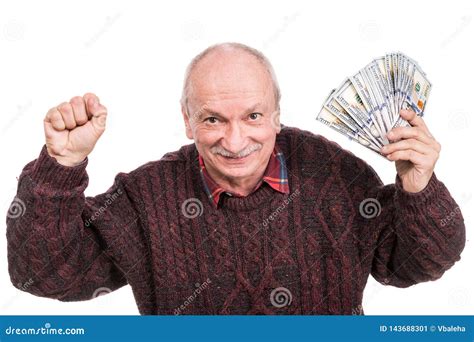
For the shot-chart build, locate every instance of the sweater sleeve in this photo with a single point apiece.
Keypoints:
(58, 239)
(420, 235)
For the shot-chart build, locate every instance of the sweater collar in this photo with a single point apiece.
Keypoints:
(275, 175)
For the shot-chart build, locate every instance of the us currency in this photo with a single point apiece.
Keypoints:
(326, 117)
(367, 104)
(339, 112)
(350, 100)
(378, 89)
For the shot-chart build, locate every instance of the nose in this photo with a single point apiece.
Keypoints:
(234, 139)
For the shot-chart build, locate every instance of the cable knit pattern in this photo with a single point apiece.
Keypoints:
(307, 252)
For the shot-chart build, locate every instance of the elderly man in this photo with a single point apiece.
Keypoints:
(253, 218)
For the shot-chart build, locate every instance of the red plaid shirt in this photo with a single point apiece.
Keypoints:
(275, 175)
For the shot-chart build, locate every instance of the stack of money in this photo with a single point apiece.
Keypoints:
(367, 105)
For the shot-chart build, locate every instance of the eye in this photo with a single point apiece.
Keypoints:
(211, 119)
(254, 116)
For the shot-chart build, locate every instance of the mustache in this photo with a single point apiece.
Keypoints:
(241, 154)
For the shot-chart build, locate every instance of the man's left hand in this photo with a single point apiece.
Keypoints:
(414, 151)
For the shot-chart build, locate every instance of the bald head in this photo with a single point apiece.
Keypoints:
(228, 68)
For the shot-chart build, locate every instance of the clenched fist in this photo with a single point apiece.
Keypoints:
(72, 128)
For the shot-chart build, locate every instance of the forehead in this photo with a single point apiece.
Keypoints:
(227, 75)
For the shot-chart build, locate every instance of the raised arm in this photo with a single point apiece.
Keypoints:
(57, 238)
(422, 228)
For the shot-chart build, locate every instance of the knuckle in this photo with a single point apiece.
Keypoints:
(81, 120)
(50, 113)
(416, 132)
(90, 95)
(76, 100)
(64, 107)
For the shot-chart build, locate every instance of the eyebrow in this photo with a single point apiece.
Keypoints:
(217, 114)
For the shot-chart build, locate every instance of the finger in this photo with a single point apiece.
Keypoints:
(407, 144)
(98, 112)
(411, 155)
(409, 132)
(79, 110)
(55, 118)
(87, 97)
(67, 114)
(414, 120)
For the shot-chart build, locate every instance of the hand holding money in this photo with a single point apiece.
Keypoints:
(383, 103)
(414, 151)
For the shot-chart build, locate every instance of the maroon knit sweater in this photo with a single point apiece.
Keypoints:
(307, 252)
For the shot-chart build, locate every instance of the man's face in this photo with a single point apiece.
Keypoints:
(232, 114)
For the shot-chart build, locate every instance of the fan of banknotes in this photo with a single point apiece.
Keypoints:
(367, 105)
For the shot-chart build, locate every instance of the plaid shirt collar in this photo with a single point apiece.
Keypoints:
(275, 175)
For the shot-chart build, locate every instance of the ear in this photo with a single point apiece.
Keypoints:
(279, 124)
(187, 124)
(275, 119)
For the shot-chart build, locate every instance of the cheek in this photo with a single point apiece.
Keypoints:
(264, 135)
(206, 137)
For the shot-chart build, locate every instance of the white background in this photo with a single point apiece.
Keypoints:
(132, 54)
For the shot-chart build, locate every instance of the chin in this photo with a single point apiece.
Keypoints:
(238, 173)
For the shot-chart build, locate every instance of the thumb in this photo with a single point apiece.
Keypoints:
(98, 114)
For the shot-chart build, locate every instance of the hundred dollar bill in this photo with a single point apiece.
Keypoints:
(330, 120)
(418, 92)
(335, 108)
(359, 83)
(385, 87)
(388, 66)
(379, 89)
(347, 97)
(416, 95)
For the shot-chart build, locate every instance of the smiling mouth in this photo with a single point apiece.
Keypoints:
(236, 159)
